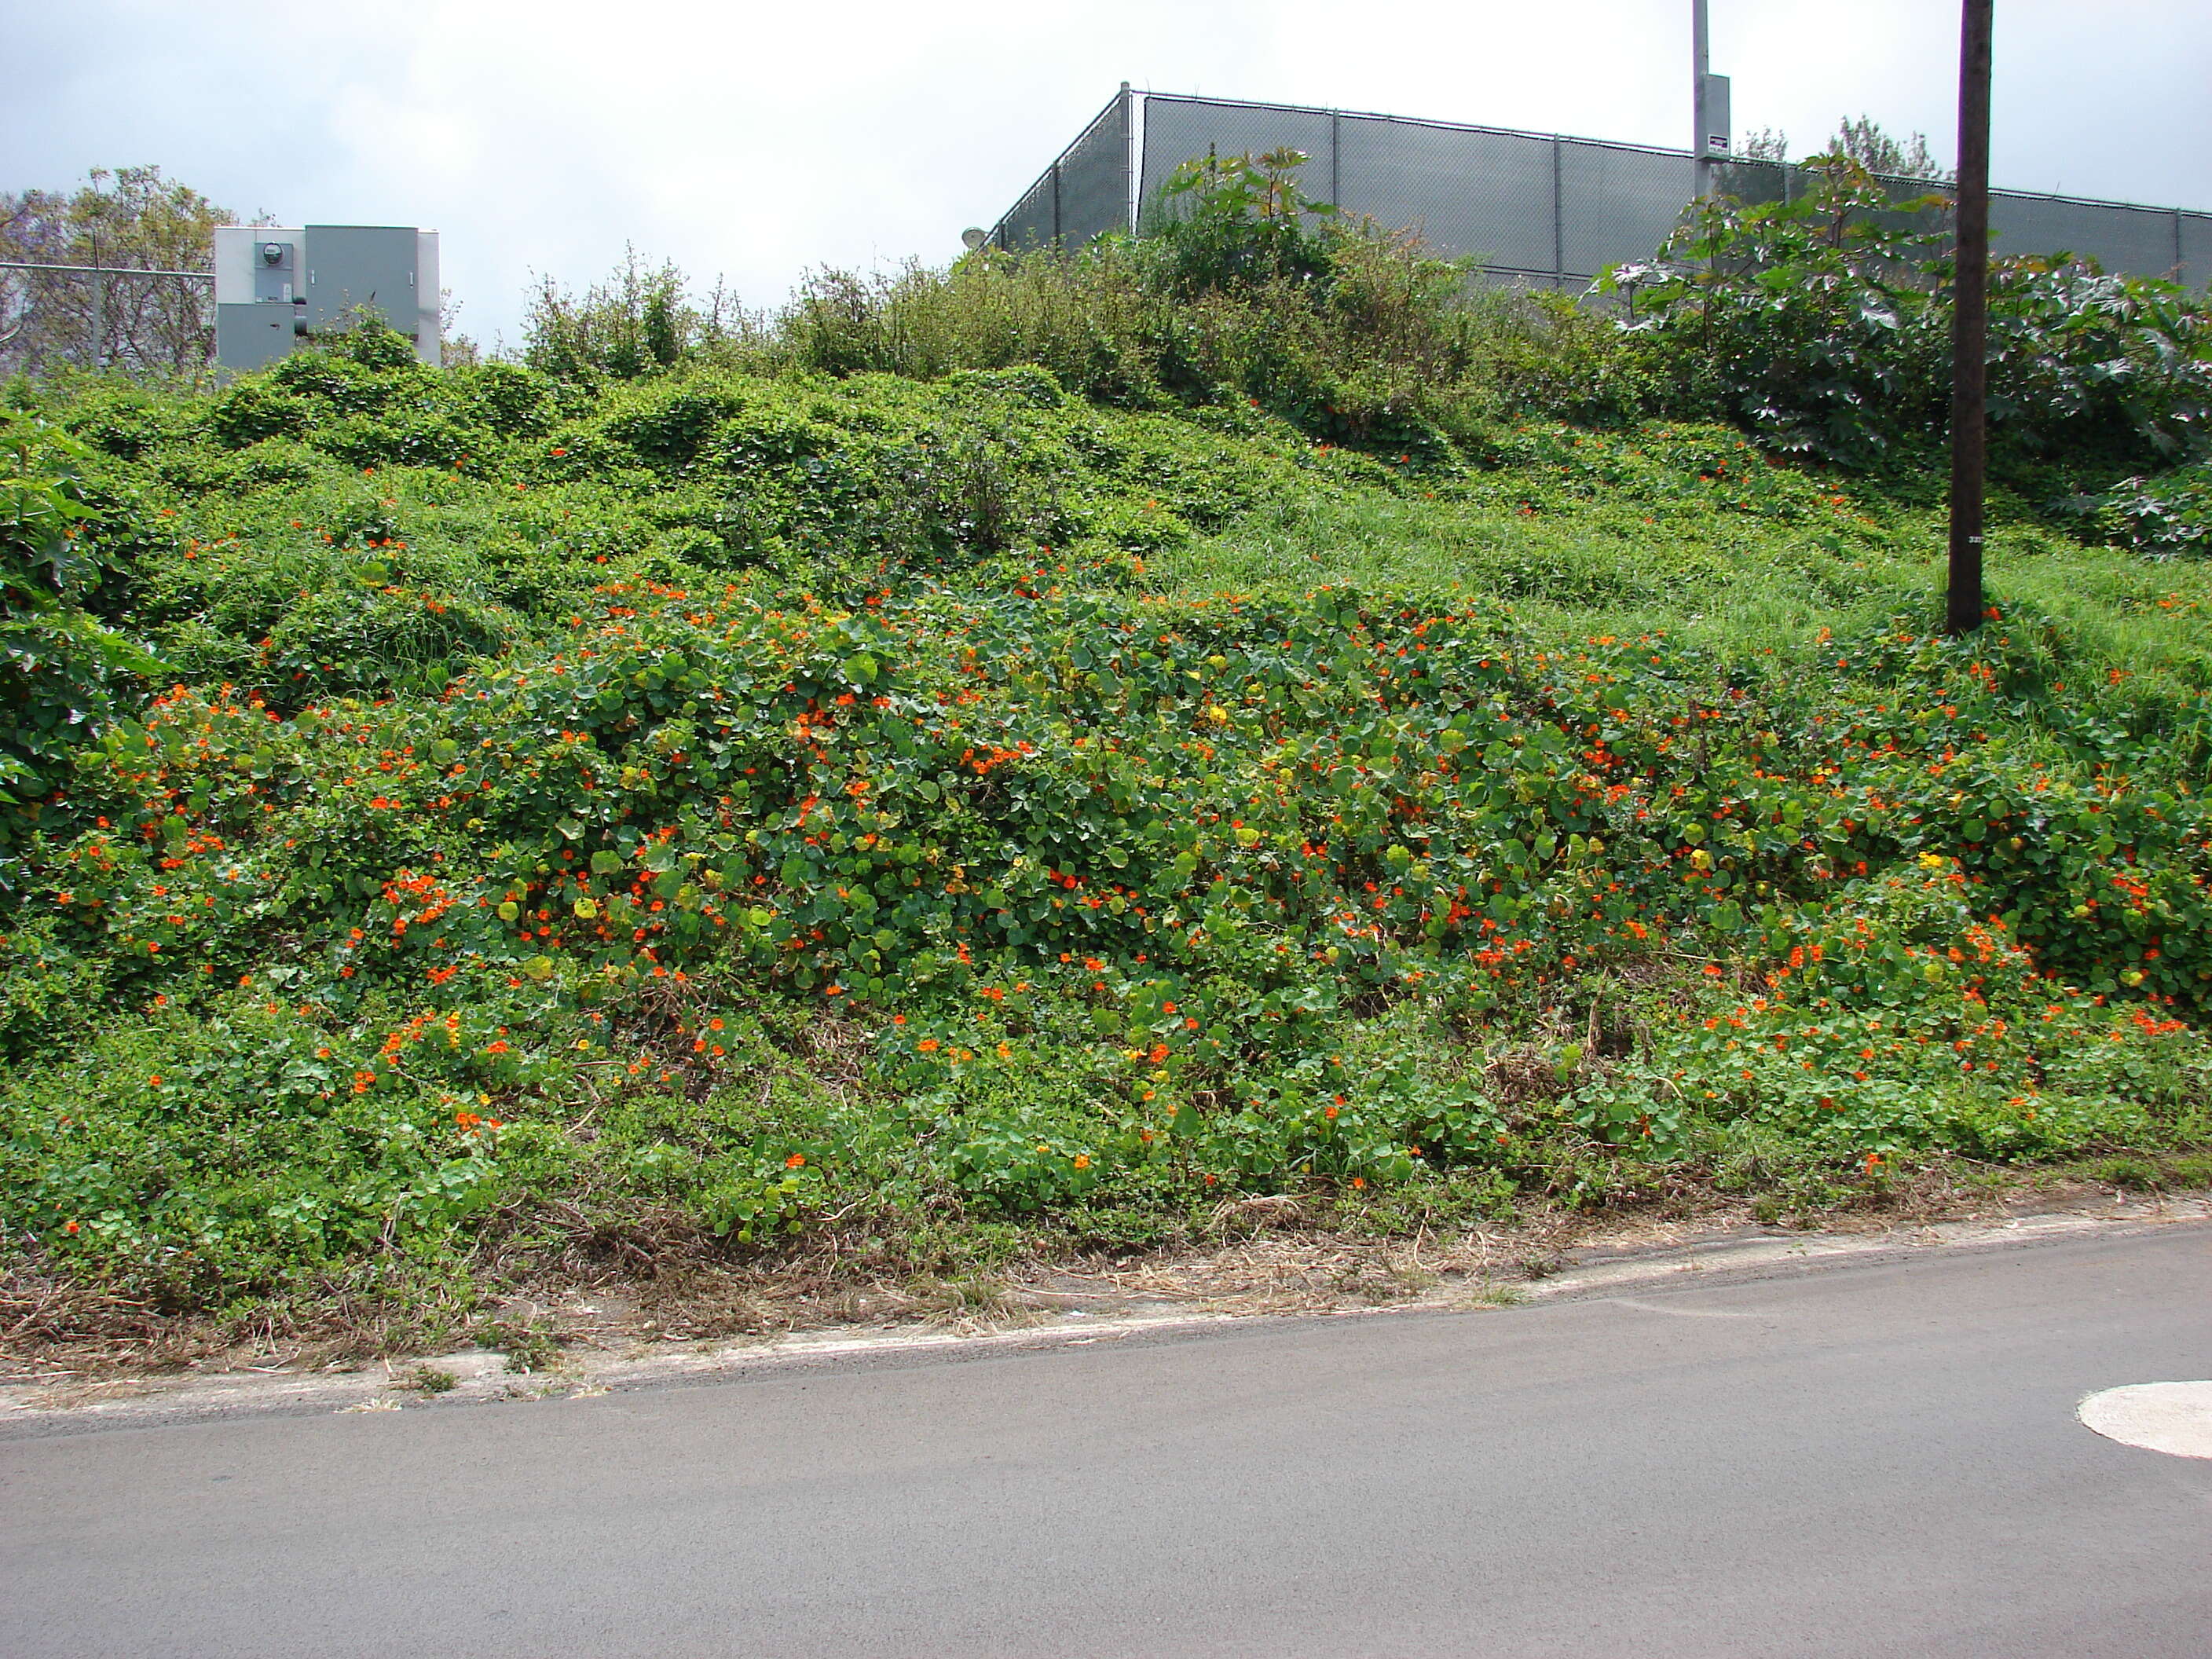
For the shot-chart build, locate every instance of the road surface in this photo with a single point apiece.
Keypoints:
(1864, 1459)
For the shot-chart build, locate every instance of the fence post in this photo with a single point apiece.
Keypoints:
(1132, 169)
(1558, 214)
(99, 316)
(1056, 204)
(1336, 160)
(2178, 275)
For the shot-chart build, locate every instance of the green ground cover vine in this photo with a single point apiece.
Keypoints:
(719, 805)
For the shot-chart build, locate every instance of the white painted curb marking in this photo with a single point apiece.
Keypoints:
(2174, 1418)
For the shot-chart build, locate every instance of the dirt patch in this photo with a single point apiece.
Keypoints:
(1067, 1306)
(1276, 1254)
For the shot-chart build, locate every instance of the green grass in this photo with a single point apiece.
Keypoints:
(606, 831)
(1724, 581)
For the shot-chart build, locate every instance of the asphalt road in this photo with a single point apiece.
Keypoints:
(1870, 1458)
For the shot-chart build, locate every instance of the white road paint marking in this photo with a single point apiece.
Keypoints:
(1684, 1312)
(2174, 1418)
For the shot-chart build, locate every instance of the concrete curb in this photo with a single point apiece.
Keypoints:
(30, 1410)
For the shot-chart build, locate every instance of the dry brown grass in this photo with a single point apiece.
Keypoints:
(589, 1281)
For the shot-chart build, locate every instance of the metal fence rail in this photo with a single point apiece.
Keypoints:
(55, 315)
(1539, 208)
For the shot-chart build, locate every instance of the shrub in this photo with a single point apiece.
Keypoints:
(638, 322)
(1805, 320)
(1822, 325)
(63, 675)
(2168, 517)
(1244, 293)
(2109, 369)
(1225, 223)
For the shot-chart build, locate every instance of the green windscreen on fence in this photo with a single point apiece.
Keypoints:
(1534, 207)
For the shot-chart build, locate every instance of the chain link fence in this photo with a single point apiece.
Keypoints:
(1533, 208)
(55, 316)
(1083, 194)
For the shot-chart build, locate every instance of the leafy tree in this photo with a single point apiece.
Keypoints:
(133, 217)
(1863, 141)
(1767, 144)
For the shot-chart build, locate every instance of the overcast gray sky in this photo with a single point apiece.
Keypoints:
(756, 140)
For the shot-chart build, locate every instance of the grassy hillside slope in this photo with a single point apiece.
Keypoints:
(577, 827)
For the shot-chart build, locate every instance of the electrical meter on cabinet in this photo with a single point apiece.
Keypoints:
(276, 286)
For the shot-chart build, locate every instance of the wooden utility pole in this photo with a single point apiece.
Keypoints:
(1970, 322)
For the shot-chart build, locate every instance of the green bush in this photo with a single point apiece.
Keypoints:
(2166, 517)
(62, 674)
(1245, 292)
(1822, 324)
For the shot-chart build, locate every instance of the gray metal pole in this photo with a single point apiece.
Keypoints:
(1132, 170)
(1558, 214)
(1701, 58)
(99, 300)
(1969, 326)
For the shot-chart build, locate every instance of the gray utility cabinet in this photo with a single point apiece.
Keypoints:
(251, 337)
(362, 265)
(278, 285)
